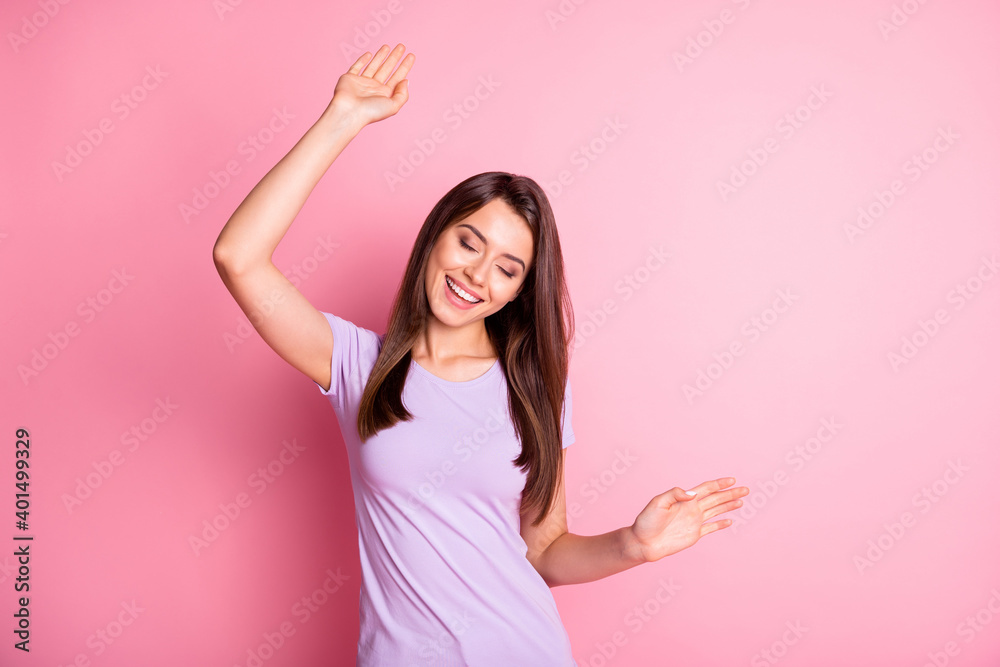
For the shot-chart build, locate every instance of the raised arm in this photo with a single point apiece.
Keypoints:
(368, 92)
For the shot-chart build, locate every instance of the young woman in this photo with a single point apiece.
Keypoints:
(457, 418)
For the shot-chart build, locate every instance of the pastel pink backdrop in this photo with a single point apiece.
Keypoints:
(870, 536)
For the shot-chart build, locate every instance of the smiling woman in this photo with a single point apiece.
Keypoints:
(457, 418)
(483, 235)
(451, 421)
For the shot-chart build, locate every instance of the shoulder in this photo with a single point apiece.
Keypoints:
(355, 351)
(351, 333)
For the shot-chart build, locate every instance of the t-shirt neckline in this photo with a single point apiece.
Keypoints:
(452, 383)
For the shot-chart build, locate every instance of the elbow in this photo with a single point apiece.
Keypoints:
(232, 262)
(220, 256)
(538, 562)
(224, 261)
(550, 580)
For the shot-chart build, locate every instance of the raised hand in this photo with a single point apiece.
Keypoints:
(366, 93)
(673, 520)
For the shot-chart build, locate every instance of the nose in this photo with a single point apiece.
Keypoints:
(476, 273)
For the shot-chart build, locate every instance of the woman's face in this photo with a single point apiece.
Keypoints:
(488, 255)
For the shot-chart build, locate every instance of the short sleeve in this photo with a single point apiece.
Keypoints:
(352, 347)
(567, 417)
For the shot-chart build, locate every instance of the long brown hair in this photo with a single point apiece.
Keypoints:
(531, 334)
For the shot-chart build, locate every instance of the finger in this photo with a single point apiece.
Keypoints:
(715, 526)
(402, 71)
(359, 63)
(719, 497)
(402, 93)
(724, 507)
(707, 488)
(390, 62)
(723, 482)
(699, 491)
(376, 61)
(722, 501)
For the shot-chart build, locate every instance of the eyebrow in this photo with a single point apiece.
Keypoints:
(485, 242)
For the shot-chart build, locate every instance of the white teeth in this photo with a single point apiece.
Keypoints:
(461, 292)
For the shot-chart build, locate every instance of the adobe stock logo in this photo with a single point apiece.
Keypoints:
(899, 17)
(249, 148)
(211, 529)
(462, 450)
(562, 12)
(437, 649)
(704, 39)
(635, 620)
(306, 608)
(967, 629)
(779, 648)
(223, 7)
(586, 154)
(363, 35)
(796, 457)
(923, 500)
(88, 309)
(31, 25)
(915, 166)
(927, 329)
(105, 467)
(454, 117)
(628, 285)
(122, 107)
(753, 329)
(790, 123)
(105, 636)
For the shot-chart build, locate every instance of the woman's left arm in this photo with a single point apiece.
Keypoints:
(670, 522)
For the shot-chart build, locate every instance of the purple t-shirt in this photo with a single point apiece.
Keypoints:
(445, 580)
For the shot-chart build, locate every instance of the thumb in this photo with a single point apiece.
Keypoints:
(674, 496)
(402, 91)
(681, 494)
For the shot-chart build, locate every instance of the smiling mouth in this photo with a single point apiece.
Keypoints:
(459, 292)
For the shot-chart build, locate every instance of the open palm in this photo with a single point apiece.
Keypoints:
(367, 93)
(674, 520)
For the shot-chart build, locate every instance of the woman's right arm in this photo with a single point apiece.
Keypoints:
(282, 316)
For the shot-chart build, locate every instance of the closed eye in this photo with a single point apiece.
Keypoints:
(468, 247)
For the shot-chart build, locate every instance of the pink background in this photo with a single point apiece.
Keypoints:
(870, 542)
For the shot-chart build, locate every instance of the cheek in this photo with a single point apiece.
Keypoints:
(504, 289)
(440, 259)
(437, 263)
